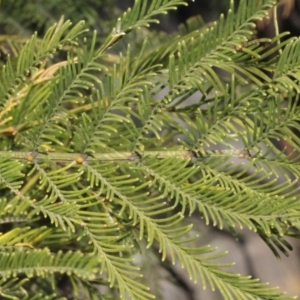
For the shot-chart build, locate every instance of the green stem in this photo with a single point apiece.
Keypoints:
(276, 28)
(115, 156)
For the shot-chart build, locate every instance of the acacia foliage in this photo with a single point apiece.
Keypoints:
(103, 156)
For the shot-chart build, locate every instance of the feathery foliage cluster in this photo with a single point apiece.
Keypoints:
(103, 155)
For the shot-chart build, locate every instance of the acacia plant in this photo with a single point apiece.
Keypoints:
(104, 157)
